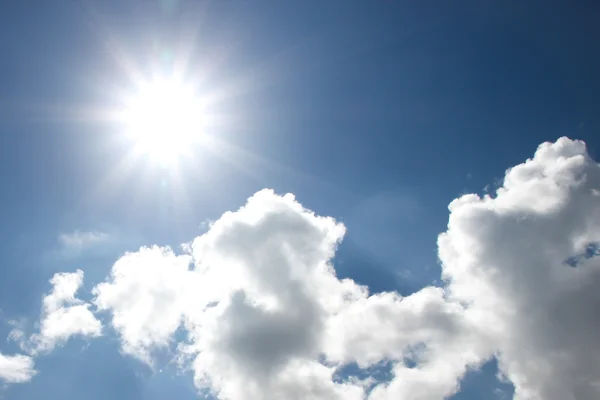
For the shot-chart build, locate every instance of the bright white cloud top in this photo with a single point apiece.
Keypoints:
(267, 318)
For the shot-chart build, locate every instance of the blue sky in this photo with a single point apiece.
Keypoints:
(377, 114)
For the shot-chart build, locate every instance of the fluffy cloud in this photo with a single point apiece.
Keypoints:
(63, 315)
(266, 317)
(506, 258)
(16, 369)
(146, 294)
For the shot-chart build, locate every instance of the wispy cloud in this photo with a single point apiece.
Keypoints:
(79, 240)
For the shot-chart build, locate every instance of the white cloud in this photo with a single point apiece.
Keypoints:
(63, 315)
(79, 240)
(505, 257)
(267, 318)
(17, 333)
(146, 294)
(16, 369)
(263, 308)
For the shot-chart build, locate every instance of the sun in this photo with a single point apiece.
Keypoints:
(164, 119)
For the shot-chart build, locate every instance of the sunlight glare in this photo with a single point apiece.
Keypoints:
(164, 119)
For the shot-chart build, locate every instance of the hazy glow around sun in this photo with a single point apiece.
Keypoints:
(164, 119)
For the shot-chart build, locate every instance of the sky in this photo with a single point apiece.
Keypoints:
(363, 200)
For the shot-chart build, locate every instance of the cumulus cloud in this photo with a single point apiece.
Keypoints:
(266, 317)
(16, 369)
(63, 315)
(505, 257)
(146, 294)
